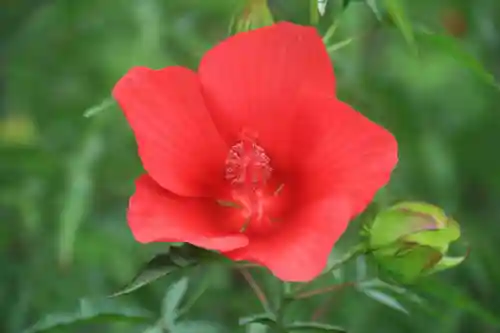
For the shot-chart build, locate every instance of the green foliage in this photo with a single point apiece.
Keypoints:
(451, 46)
(396, 10)
(91, 312)
(254, 14)
(314, 328)
(65, 179)
(177, 260)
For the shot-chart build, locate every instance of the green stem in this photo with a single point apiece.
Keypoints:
(353, 253)
(313, 12)
(256, 289)
(335, 287)
(280, 309)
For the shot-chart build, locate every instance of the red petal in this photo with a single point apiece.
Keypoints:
(249, 81)
(342, 153)
(178, 142)
(156, 215)
(299, 251)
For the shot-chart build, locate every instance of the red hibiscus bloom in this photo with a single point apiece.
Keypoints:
(259, 127)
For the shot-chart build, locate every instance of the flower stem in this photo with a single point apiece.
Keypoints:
(256, 288)
(313, 12)
(320, 291)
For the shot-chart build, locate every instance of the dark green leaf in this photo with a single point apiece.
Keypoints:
(197, 327)
(263, 318)
(173, 298)
(314, 327)
(176, 260)
(397, 13)
(90, 312)
(384, 299)
(345, 3)
(449, 45)
(198, 290)
(379, 284)
(455, 297)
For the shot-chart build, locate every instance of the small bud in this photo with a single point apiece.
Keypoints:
(411, 239)
(255, 14)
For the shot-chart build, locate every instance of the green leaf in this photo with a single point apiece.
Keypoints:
(409, 266)
(198, 290)
(173, 298)
(105, 104)
(457, 298)
(314, 327)
(345, 3)
(374, 7)
(379, 284)
(252, 15)
(197, 326)
(154, 329)
(262, 318)
(384, 299)
(176, 260)
(91, 312)
(395, 9)
(446, 263)
(449, 45)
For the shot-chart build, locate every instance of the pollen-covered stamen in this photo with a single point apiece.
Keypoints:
(248, 170)
(247, 164)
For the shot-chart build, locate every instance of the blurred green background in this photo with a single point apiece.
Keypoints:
(65, 179)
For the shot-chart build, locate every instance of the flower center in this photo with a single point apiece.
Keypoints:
(249, 173)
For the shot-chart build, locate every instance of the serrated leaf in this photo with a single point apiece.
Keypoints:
(314, 327)
(197, 327)
(105, 104)
(385, 299)
(176, 260)
(173, 298)
(91, 312)
(262, 318)
(453, 47)
(396, 11)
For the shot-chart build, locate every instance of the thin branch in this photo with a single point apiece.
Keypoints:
(324, 306)
(314, 292)
(256, 288)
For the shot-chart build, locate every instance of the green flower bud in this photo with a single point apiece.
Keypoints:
(255, 14)
(411, 239)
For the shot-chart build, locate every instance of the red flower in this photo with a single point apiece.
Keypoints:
(258, 127)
